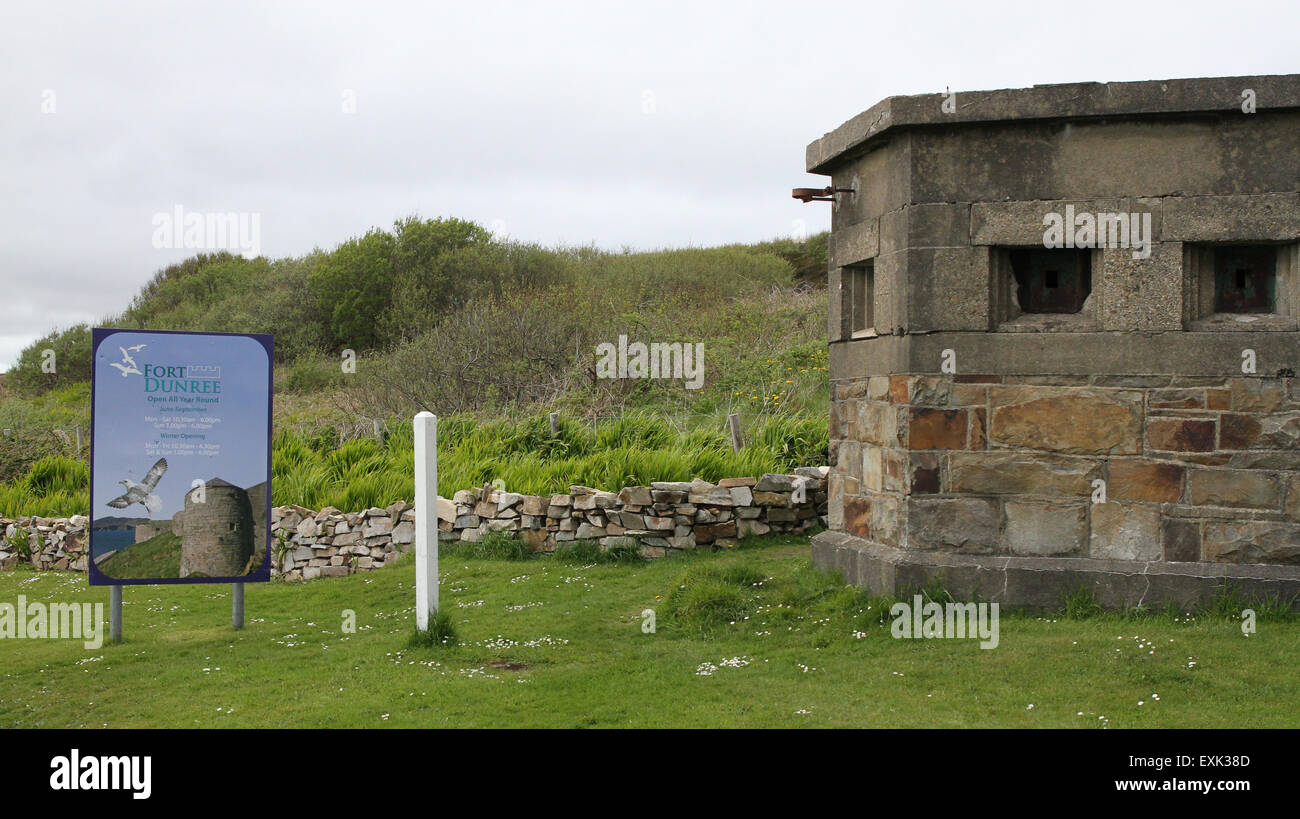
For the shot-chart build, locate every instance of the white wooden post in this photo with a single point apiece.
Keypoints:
(426, 518)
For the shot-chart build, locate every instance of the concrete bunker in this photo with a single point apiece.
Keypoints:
(1064, 331)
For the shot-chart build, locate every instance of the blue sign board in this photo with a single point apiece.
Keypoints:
(180, 460)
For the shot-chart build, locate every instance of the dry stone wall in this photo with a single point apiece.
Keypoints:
(48, 543)
(655, 519)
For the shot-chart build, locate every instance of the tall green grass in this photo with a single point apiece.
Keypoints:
(54, 486)
(634, 449)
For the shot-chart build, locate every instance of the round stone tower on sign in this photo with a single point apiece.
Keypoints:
(1064, 338)
(218, 535)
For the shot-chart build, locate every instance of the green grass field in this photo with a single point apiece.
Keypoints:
(751, 638)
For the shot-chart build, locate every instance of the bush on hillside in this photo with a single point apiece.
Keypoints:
(353, 287)
(70, 362)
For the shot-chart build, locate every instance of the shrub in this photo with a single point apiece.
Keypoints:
(312, 375)
(353, 288)
(71, 361)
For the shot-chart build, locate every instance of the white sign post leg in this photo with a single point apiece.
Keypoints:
(426, 518)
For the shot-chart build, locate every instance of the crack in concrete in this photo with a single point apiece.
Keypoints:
(1145, 568)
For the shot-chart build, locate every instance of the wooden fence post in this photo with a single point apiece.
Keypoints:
(733, 420)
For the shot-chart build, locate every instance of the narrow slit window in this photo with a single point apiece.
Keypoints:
(859, 298)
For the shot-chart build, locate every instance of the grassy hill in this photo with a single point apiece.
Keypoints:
(159, 556)
(491, 335)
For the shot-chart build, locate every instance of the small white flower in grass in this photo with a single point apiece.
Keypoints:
(1140, 702)
(1029, 707)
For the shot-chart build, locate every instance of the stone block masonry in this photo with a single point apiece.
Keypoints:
(219, 537)
(656, 519)
(1148, 469)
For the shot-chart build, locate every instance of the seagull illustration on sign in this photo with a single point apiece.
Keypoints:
(128, 363)
(137, 348)
(142, 493)
(125, 370)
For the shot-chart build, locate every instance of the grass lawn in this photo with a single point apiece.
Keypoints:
(558, 643)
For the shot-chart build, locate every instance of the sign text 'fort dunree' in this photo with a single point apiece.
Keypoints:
(182, 379)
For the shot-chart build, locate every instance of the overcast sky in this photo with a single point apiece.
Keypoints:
(636, 124)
